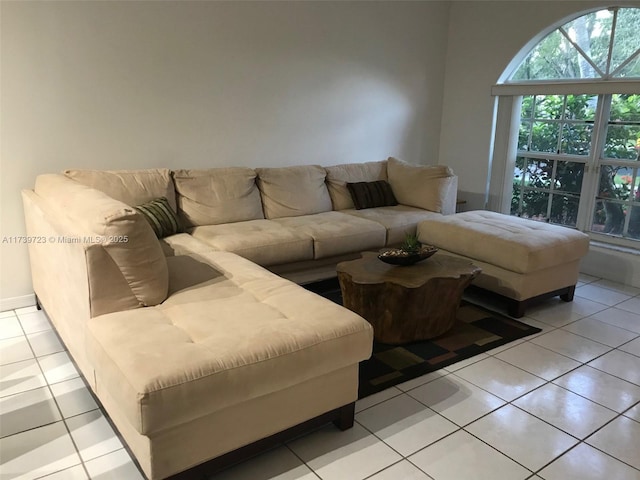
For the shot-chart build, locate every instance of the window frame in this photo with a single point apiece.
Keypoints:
(505, 152)
(508, 95)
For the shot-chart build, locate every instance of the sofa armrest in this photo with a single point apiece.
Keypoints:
(450, 196)
(66, 253)
(125, 235)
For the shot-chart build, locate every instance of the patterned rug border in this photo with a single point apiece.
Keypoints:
(477, 330)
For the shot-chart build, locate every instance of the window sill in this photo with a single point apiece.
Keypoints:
(615, 248)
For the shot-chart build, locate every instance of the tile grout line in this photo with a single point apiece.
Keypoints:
(73, 441)
(401, 392)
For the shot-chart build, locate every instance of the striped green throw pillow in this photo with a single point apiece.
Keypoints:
(160, 216)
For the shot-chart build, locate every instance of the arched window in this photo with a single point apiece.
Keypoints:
(603, 44)
(572, 110)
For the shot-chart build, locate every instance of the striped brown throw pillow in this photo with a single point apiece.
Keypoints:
(371, 194)
(160, 216)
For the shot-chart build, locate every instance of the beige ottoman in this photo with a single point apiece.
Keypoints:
(521, 259)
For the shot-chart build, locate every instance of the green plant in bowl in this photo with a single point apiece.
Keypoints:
(411, 244)
(411, 251)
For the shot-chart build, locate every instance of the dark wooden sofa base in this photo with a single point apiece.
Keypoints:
(516, 308)
(341, 417)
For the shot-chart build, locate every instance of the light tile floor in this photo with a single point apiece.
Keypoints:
(561, 405)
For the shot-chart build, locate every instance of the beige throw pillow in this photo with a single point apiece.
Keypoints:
(339, 175)
(217, 195)
(293, 191)
(133, 187)
(425, 186)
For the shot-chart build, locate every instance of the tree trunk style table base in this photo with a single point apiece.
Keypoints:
(405, 304)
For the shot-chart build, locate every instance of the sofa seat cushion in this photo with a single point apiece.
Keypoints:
(293, 191)
(335, 233)
(399, 220)
(241, 334)
(339, 175)
(516, 244)
(262, 241)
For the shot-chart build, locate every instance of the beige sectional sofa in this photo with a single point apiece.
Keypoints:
(194, 347)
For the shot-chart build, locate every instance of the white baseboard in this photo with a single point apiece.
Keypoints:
(613, 264)
(12, 303)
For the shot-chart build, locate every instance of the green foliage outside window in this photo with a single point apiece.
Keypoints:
(549, 189)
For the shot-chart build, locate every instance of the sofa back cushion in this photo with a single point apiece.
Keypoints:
(293, 191)
(339, 175)
(133, 187)
(217, 195)
(122, 231)
(431, 187)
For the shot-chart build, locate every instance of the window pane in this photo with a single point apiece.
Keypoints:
(623, 130)
(523, 136)
(626, 40)
(576, 138)
(538, 174)
(545, 137)
(553, 57)
(623, 141)
(625, 107)
(569, 177)
(549, 106)
(526, 107)
(608, 217)
(564, 209)
(534, 205)
(631, 69)
(591, 33)
(615, 182)
(581, 107)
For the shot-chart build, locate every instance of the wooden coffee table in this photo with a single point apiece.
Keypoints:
(405, 304)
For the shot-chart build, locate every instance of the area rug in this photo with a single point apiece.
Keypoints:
(476, 330)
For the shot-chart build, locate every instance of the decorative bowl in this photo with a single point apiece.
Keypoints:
(397, 256)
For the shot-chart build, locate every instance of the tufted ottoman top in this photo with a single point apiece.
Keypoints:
(516, 244)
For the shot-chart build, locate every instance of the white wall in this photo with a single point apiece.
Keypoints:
(484, 36)
(196, 84)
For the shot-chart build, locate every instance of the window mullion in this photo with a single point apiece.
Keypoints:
(552, 185)
(592, 177)
(611, 40)
(626, 62)
(581, 52)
